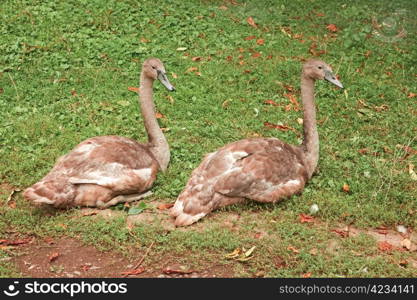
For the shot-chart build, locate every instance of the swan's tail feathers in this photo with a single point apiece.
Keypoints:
(50, 192)
(189, 209)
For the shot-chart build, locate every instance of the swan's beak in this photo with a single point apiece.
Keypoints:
(329, 76)
(164, 80)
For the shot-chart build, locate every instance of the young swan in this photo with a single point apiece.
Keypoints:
(260, 169)
(106, 170)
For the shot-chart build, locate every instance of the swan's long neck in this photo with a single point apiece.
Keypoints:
(311, 137)
(157, 141)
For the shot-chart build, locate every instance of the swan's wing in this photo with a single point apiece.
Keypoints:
(114, 162)
(259, 169)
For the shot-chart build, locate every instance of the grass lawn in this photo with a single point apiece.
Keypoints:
(65, 70)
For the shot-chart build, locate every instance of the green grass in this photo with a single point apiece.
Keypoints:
(65, 67)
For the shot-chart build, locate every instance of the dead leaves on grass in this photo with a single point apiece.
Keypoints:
(241, 254)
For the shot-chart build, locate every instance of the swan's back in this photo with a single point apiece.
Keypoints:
(95, 171)
(261, 169)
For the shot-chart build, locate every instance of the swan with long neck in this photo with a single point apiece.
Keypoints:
(106, 170)
(260, 169)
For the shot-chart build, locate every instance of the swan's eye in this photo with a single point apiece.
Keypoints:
(153, 67)
(320, 67)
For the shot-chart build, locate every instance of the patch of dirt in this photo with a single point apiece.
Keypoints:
(70, 258)
(390, 236)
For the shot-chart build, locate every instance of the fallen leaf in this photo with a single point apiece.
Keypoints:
(52, 257)
(256, 54)
(191, 69)
(144, 40)
(223, 7)
(159, 115)
(15, 242)
(259, 274)
(251, 37)
(174, 75)
(332, 28)
(89, 213)
(293, 100)
(251, 22)
(73, 93)
(133, 272)
(229, 58)
(250, 251)
(312, 50)
(385, 246)
(293, 249)
(86, 267)
(413, 174)
(164, 206)
(306, 218)
(260, 42)
(197, 58)
(313, 251)
(363, 150)
(341, 232)
(170, 270)
(406, 243)
(235, 253)
(277, 126)
(412, 95)
(346, 188)
(181, 48)
(133, 89)
(271, 102)
(306, 275)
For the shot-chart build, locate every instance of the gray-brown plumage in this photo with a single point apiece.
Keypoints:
(260, 169)
(106, 170)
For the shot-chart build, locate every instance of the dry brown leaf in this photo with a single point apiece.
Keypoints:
(260, 42)
(133, 272)
(158, 115)
(412, 95)
(53, 256)
(385, 246)
(251, 37)
(133, 89)
(15, 242)
(165, 206)
(306, 275)
(277, 126)
(223, 7)
(313, 251)
(197, 58)
(346, 188)
(306, 218)
(251, 22)
(406, 243)
(191, 69)
(89, 213)
(341, 232)
(271, 102)
(332, 28)
(293, 249)
(256, 54)
(170, 270)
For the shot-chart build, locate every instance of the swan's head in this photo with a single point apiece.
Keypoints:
(317, 69)
(154, 69)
